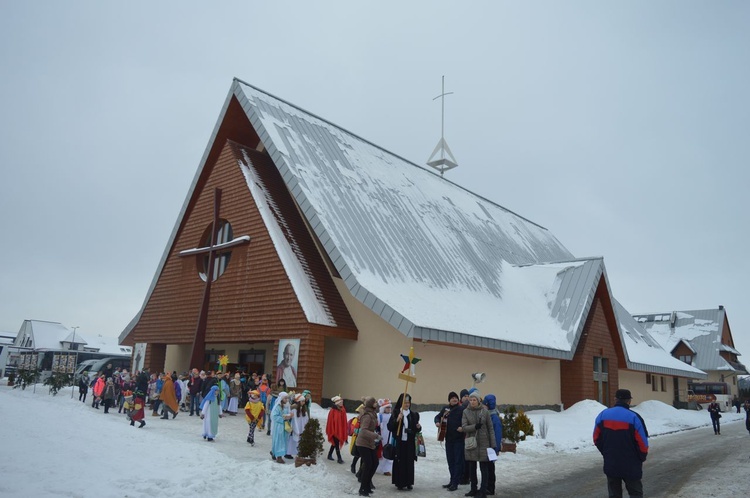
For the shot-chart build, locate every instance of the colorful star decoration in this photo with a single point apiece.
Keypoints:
(410, 361)
(223, 361)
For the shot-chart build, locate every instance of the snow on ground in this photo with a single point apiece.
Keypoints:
(58, 446)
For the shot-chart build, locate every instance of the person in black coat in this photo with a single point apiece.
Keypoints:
(83, 387)
(746, 406)
(450, 418)
(404, 426)
(715, 411)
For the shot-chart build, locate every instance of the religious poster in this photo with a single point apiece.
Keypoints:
(56, 362)
(71, 363)
(286, 366)
(139, 356)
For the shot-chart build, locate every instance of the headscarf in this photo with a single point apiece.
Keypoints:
(210, 396)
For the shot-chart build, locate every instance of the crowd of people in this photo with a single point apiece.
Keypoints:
(469, 425)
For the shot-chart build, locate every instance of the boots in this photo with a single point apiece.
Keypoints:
(280, 460)
(132, 422)
(142, 422)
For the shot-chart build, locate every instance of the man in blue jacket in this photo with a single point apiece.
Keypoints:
(622, 438)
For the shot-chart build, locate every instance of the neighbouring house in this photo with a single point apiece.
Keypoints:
(296, 231)
(50, 346)
(701, 338)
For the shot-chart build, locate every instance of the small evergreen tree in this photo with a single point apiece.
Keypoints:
(510, 431)
(311, 440)
(57, 381)
(524, 426)
(26, 378)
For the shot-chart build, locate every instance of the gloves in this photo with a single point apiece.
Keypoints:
(478, 426)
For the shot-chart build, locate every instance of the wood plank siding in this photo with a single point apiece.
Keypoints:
(600, 338)
(253, 301)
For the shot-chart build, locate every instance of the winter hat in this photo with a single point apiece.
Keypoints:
(475, 394)
(623, 394)
(384, 403)
(452, 395)
(306, 392)
(473, 389)
(336, 399)
(464, 392)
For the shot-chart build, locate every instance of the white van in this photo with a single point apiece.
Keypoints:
(92, 367)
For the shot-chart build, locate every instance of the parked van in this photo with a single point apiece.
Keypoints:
(92, 367)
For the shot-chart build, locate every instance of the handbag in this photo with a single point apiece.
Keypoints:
(287, 426)
(470, 443)
(389, 451)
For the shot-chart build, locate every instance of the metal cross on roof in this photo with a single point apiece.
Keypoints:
(442, 163)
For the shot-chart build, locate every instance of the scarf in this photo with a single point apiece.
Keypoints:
(405, 422)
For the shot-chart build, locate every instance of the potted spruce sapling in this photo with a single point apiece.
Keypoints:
(516, 426)
(310, 444)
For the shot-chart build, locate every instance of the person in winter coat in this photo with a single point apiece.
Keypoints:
(83, 387)
(254, 415)
(210, 413)
(224, 392)
(194, 387)
(476, 422)
(235, 393)
(621, 436)
(337, 430)
(279, 436)
(404, 426)
(109, 395)
(138, 413)
(168, 397)
(451, 417)
(746, 406)
(714, 410)
(490, 401)
(98, 390)
(367, 442)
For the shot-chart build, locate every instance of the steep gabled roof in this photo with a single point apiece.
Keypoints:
(418, 250)
(646, 354)
(44, 335)
(701, 329)
(434, 260)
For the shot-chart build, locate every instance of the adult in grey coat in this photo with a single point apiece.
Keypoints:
(477, 423)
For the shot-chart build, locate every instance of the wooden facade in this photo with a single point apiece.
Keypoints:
(600, 339)
(253, 301)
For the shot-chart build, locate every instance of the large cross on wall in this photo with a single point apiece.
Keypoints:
(219, 247)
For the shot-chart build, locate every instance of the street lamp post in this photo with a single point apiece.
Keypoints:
(73, 387)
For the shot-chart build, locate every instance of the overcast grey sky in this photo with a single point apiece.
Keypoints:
(621, 127)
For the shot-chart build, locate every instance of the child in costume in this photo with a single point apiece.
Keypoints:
(300, 417)
(337, 429)
(210, 413)
(254, 414)
(385, 466)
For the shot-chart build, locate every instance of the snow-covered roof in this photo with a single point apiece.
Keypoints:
(43, 334)
(646, 354)
(433, 259)
(701, 329)
(108, 345)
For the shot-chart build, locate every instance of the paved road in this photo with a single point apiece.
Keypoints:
(685, 464)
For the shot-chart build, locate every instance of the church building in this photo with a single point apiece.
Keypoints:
(305, 251)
